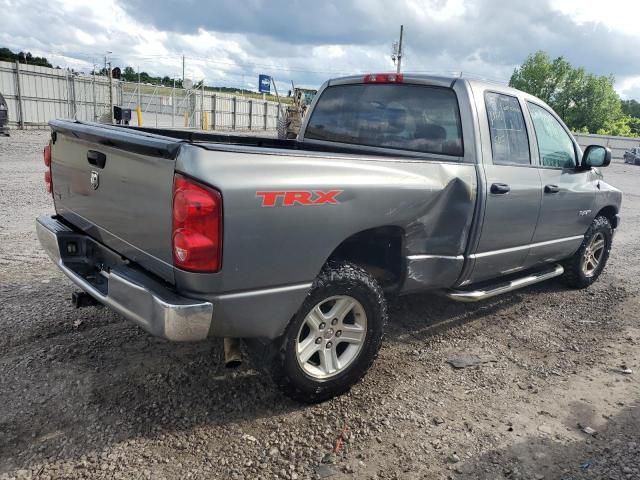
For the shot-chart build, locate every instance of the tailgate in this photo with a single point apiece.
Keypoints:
(116, 185)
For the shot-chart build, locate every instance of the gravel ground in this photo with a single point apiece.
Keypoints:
(86, 394)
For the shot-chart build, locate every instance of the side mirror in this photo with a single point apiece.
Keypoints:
(596, 156)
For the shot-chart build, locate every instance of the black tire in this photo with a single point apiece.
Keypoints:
(334, 280)
(574, 275)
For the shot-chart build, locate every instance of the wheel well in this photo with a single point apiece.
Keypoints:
(610, 212)
(378, 251)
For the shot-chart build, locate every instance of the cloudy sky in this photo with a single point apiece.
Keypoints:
(229, 43)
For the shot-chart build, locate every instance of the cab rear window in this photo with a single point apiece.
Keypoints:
(400, 116)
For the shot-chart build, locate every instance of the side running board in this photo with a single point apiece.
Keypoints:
(492, 291)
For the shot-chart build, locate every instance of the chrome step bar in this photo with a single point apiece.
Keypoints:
(477, 295)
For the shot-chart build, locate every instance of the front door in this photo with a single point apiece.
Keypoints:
(567, 192)
(513, 190)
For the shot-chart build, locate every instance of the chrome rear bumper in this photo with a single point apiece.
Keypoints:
(134, 294)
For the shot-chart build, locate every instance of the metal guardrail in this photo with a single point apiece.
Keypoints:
(618, 145)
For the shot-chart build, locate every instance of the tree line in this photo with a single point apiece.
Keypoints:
(586, 102)
(7, 55)
(130, 75)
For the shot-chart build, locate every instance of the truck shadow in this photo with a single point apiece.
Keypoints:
(420, 316)
(613, 452)
(104, 384)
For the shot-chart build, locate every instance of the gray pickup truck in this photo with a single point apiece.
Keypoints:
(396, 184)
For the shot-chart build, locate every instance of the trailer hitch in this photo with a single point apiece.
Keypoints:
(83, 299)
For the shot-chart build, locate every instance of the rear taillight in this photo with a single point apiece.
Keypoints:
(197, 226)
(46, 153)
(383, 78)
(48, 179)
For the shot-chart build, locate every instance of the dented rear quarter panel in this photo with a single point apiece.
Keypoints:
(269, 246)
(431, 197)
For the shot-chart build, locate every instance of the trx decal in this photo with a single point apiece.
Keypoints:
(302, 197)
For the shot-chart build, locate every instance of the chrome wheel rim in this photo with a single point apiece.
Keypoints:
(331, 336)
(593, 254)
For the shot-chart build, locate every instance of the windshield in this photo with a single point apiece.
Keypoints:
(407, 117)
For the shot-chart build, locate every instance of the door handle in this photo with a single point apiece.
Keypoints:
(551, 189)
(500, 188)
(98, 159)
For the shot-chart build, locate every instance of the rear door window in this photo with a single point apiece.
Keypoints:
(400, 116)
(509, 140)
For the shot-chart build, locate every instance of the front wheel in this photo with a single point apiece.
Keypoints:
(587, 263)
(335, 336)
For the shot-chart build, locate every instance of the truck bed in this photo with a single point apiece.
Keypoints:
(218, 140)
(165, 142)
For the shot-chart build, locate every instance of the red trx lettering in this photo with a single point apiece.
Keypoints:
(302, 197)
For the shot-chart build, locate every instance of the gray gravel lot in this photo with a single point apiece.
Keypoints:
(86, 394)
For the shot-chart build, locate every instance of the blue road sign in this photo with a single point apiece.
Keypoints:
(264, 82)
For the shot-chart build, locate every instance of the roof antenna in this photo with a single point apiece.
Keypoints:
(396, 51)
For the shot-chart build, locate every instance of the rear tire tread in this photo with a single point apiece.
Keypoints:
(345, 274)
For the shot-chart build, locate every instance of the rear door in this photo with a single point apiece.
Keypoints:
(512, 184)
(568, 193)
(116, 185)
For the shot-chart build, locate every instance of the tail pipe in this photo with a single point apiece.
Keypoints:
(232, 352)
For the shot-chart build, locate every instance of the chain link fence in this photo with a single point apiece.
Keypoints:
(197, 109)
(35, 95)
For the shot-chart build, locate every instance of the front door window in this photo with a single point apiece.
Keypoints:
(554, 143)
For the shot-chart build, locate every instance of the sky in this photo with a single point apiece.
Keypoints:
(229, 43)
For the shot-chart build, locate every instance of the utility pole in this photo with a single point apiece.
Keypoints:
(139, 87)
(95, 115)
(273, 82)
(110, 94)
(182, 71)
(105, 62)
(399, 53)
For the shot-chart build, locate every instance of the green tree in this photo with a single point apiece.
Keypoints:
(629, 107)
(129, 75)
(541, 76)
(596, 105)
(586, 102)
(7, 55)
(634, 126)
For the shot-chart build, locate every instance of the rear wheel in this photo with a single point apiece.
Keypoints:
(334, 338)
(587, 263)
